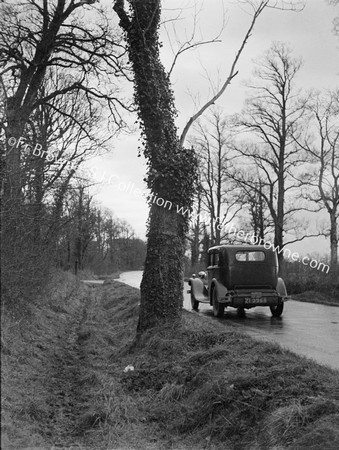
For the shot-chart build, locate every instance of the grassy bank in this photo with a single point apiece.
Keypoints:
(202, 387)
(39, 363)
(210, 387)
(322, 298)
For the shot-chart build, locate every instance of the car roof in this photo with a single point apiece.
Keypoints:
(240, 247)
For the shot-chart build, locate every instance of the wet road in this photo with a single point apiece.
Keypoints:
(308, 329)
(132, 278)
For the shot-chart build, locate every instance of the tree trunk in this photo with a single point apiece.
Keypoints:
(195, 244)
(172, 169)
(334, 244)
(205, 246)
(279, 237)
(68, 266)
(162, 283)
(217, 229)
(279, 223)
(261, 220)
(258, 214)
(14, 131)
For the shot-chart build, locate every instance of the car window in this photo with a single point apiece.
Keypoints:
(250, 256)
(213, 259)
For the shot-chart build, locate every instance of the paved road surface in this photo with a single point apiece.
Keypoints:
(308, 329)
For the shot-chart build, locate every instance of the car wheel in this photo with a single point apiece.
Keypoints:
(241, 312)
(218, 308)
(194, 303)
(277, 310)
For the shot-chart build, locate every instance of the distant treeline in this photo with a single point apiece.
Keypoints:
(93, 239)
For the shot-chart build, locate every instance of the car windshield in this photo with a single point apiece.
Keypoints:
(250, 255)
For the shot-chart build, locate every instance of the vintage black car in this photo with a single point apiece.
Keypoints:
(240, 276)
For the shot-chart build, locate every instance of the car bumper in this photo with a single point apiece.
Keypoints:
(250, 300)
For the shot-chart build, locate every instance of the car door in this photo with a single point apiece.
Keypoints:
(213, 268)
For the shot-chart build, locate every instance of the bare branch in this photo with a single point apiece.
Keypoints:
(187, 46)
(233, 72)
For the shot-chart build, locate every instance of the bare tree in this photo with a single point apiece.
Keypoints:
(273, 116)
(84, 226)
(94, 239)
(60, 135)
(38, 35)
(321, 145)
(197, 228)
(220, 195)
(52, 66)
(253, 201)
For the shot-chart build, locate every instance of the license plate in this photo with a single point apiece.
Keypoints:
(256, 300)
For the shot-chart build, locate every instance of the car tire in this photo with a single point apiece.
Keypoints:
(218, 308)
(277, 310)
(194, 303)
(241, 312)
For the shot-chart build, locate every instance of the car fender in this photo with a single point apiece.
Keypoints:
(221, 290)
(198, 290)
(281, 289)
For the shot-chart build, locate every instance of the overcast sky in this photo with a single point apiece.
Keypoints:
(309, 32)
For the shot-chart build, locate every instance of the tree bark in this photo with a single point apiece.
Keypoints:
(162, 282)
(334, 243)
(279, 224)
(195, 243)
(12, 173)
(171, 169)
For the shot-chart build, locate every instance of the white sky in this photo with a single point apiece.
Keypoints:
(310, 34)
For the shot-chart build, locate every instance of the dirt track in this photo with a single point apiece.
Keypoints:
(67, 367)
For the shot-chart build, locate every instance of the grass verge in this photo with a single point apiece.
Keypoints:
(75, 375)
(39, 362)
(207, 387)
(322, 298)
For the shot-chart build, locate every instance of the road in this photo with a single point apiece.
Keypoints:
(308, 329)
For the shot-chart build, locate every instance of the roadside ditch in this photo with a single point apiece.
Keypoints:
(76, 378)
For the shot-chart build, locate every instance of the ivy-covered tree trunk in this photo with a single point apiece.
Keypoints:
(171, 168)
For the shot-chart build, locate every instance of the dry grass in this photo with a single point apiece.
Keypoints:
(210, 387)
(31, 348)
(201, 387)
